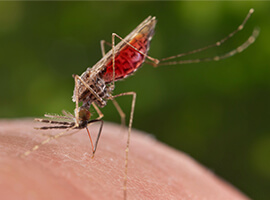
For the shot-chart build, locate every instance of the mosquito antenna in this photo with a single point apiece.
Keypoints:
(218, 43)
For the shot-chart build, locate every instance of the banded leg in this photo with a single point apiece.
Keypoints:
(46, 141)
(133, 94)
(61, 134)
(239, 49)
(156, 62)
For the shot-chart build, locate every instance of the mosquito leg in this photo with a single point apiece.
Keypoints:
(218, 43)
(46, 141)
(77, 99)
(239, 49)
(102, 45)
(121, 113)
(118, 108)
(98, 111)
(133, 94)
(66, 135)
(113, 60)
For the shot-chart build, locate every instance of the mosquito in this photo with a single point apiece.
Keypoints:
(95, 86)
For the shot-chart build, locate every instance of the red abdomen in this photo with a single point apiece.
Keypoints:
(128, 60)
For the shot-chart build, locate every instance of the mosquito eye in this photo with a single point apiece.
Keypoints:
(84, 114)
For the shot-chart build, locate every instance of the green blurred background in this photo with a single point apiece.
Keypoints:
(217, 112)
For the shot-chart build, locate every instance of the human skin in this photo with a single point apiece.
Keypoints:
(64, 169)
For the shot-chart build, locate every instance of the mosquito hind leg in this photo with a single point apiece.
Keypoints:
(239, 49)
(133, 94)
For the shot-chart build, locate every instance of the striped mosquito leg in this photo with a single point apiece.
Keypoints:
(45, 142)
(239, 49)
(133, 94)
(218, 43)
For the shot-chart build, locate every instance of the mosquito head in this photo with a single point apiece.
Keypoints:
(84, 116)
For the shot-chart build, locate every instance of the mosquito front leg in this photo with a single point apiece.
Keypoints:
(133, 94)
(46, 141)
(76, 99)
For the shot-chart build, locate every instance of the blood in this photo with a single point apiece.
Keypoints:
(128, 60)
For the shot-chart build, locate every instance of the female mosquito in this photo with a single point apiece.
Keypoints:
(96, 85)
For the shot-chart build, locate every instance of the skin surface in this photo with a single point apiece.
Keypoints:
(64, 169)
